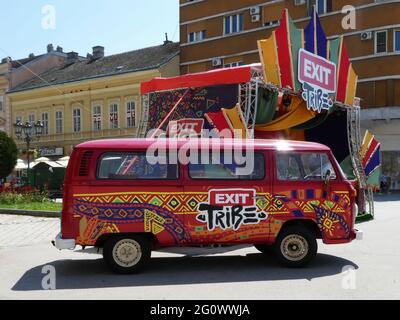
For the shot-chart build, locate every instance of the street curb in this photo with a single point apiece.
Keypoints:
(31, 213)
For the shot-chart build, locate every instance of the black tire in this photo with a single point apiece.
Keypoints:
(134, 252)
(303, 243)
(264, 248)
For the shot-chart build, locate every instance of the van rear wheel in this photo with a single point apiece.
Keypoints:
(126, 254)
(296, 246)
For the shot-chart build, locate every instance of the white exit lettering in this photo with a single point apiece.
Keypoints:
(316, 72)
(231, 198)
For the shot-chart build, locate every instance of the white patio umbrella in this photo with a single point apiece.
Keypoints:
(42, 159)
(39, 160)
(21, 165)
(63, 161)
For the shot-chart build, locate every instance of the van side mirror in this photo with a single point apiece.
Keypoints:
(328, 176)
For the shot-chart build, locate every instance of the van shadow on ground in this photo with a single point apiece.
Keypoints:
(88, 274)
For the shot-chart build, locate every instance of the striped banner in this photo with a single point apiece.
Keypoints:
(279, 54)
(370, 154)
(315, 38)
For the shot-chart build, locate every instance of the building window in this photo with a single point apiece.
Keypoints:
(31, 119)
(272, 23)
(197, 36)
(97, 118)
(381, 41)
(113, 116)
(59, 122)
(45, 122)
(233, 24)
(233, 64)
(130, 114)
(2, 103)
(76, 117)
(321, 6)
(397, 40)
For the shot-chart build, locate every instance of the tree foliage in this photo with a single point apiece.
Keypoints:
(8, 155)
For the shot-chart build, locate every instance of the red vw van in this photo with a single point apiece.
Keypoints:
(292, 193)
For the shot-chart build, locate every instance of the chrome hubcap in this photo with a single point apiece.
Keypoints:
(127, 253)
(294, 247)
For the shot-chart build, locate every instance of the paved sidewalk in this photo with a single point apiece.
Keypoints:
(18, 231)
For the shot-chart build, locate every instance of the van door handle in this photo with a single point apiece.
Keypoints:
(280, 196)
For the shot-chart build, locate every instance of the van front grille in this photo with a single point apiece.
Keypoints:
(84, 164)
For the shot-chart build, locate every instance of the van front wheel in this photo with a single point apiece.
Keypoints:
(126, 254)
(296, 246)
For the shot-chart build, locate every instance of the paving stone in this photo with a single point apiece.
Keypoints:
(17, 231)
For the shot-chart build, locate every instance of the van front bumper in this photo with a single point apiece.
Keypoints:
(64, 244)
(357, 234)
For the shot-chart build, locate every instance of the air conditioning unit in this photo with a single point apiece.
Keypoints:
(366, 35)
(216, 62)
(299, 2)
(255, 18)
(254, 10)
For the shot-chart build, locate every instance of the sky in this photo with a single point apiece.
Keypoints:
(28, 26)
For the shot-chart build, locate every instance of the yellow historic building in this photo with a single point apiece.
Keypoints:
(97, 97)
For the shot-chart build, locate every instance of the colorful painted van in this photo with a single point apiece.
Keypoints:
(117, 198)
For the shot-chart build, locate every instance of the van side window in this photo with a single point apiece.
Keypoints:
(288, 167)
(216, 169)
(304, 166)
(133, 166)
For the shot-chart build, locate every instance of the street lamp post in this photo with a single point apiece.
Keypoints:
(28, 132)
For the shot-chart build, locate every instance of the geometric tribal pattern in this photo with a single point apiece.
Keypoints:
(182, 203)
(179, 203)
(156, 211)
(153, 217)
(329, 222)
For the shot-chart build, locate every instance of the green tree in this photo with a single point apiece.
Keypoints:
(8, 155)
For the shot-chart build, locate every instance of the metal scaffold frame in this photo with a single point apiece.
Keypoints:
(144, 116)
(355, 142)
(248, 99)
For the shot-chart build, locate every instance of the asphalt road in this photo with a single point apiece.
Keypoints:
(372, 268)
